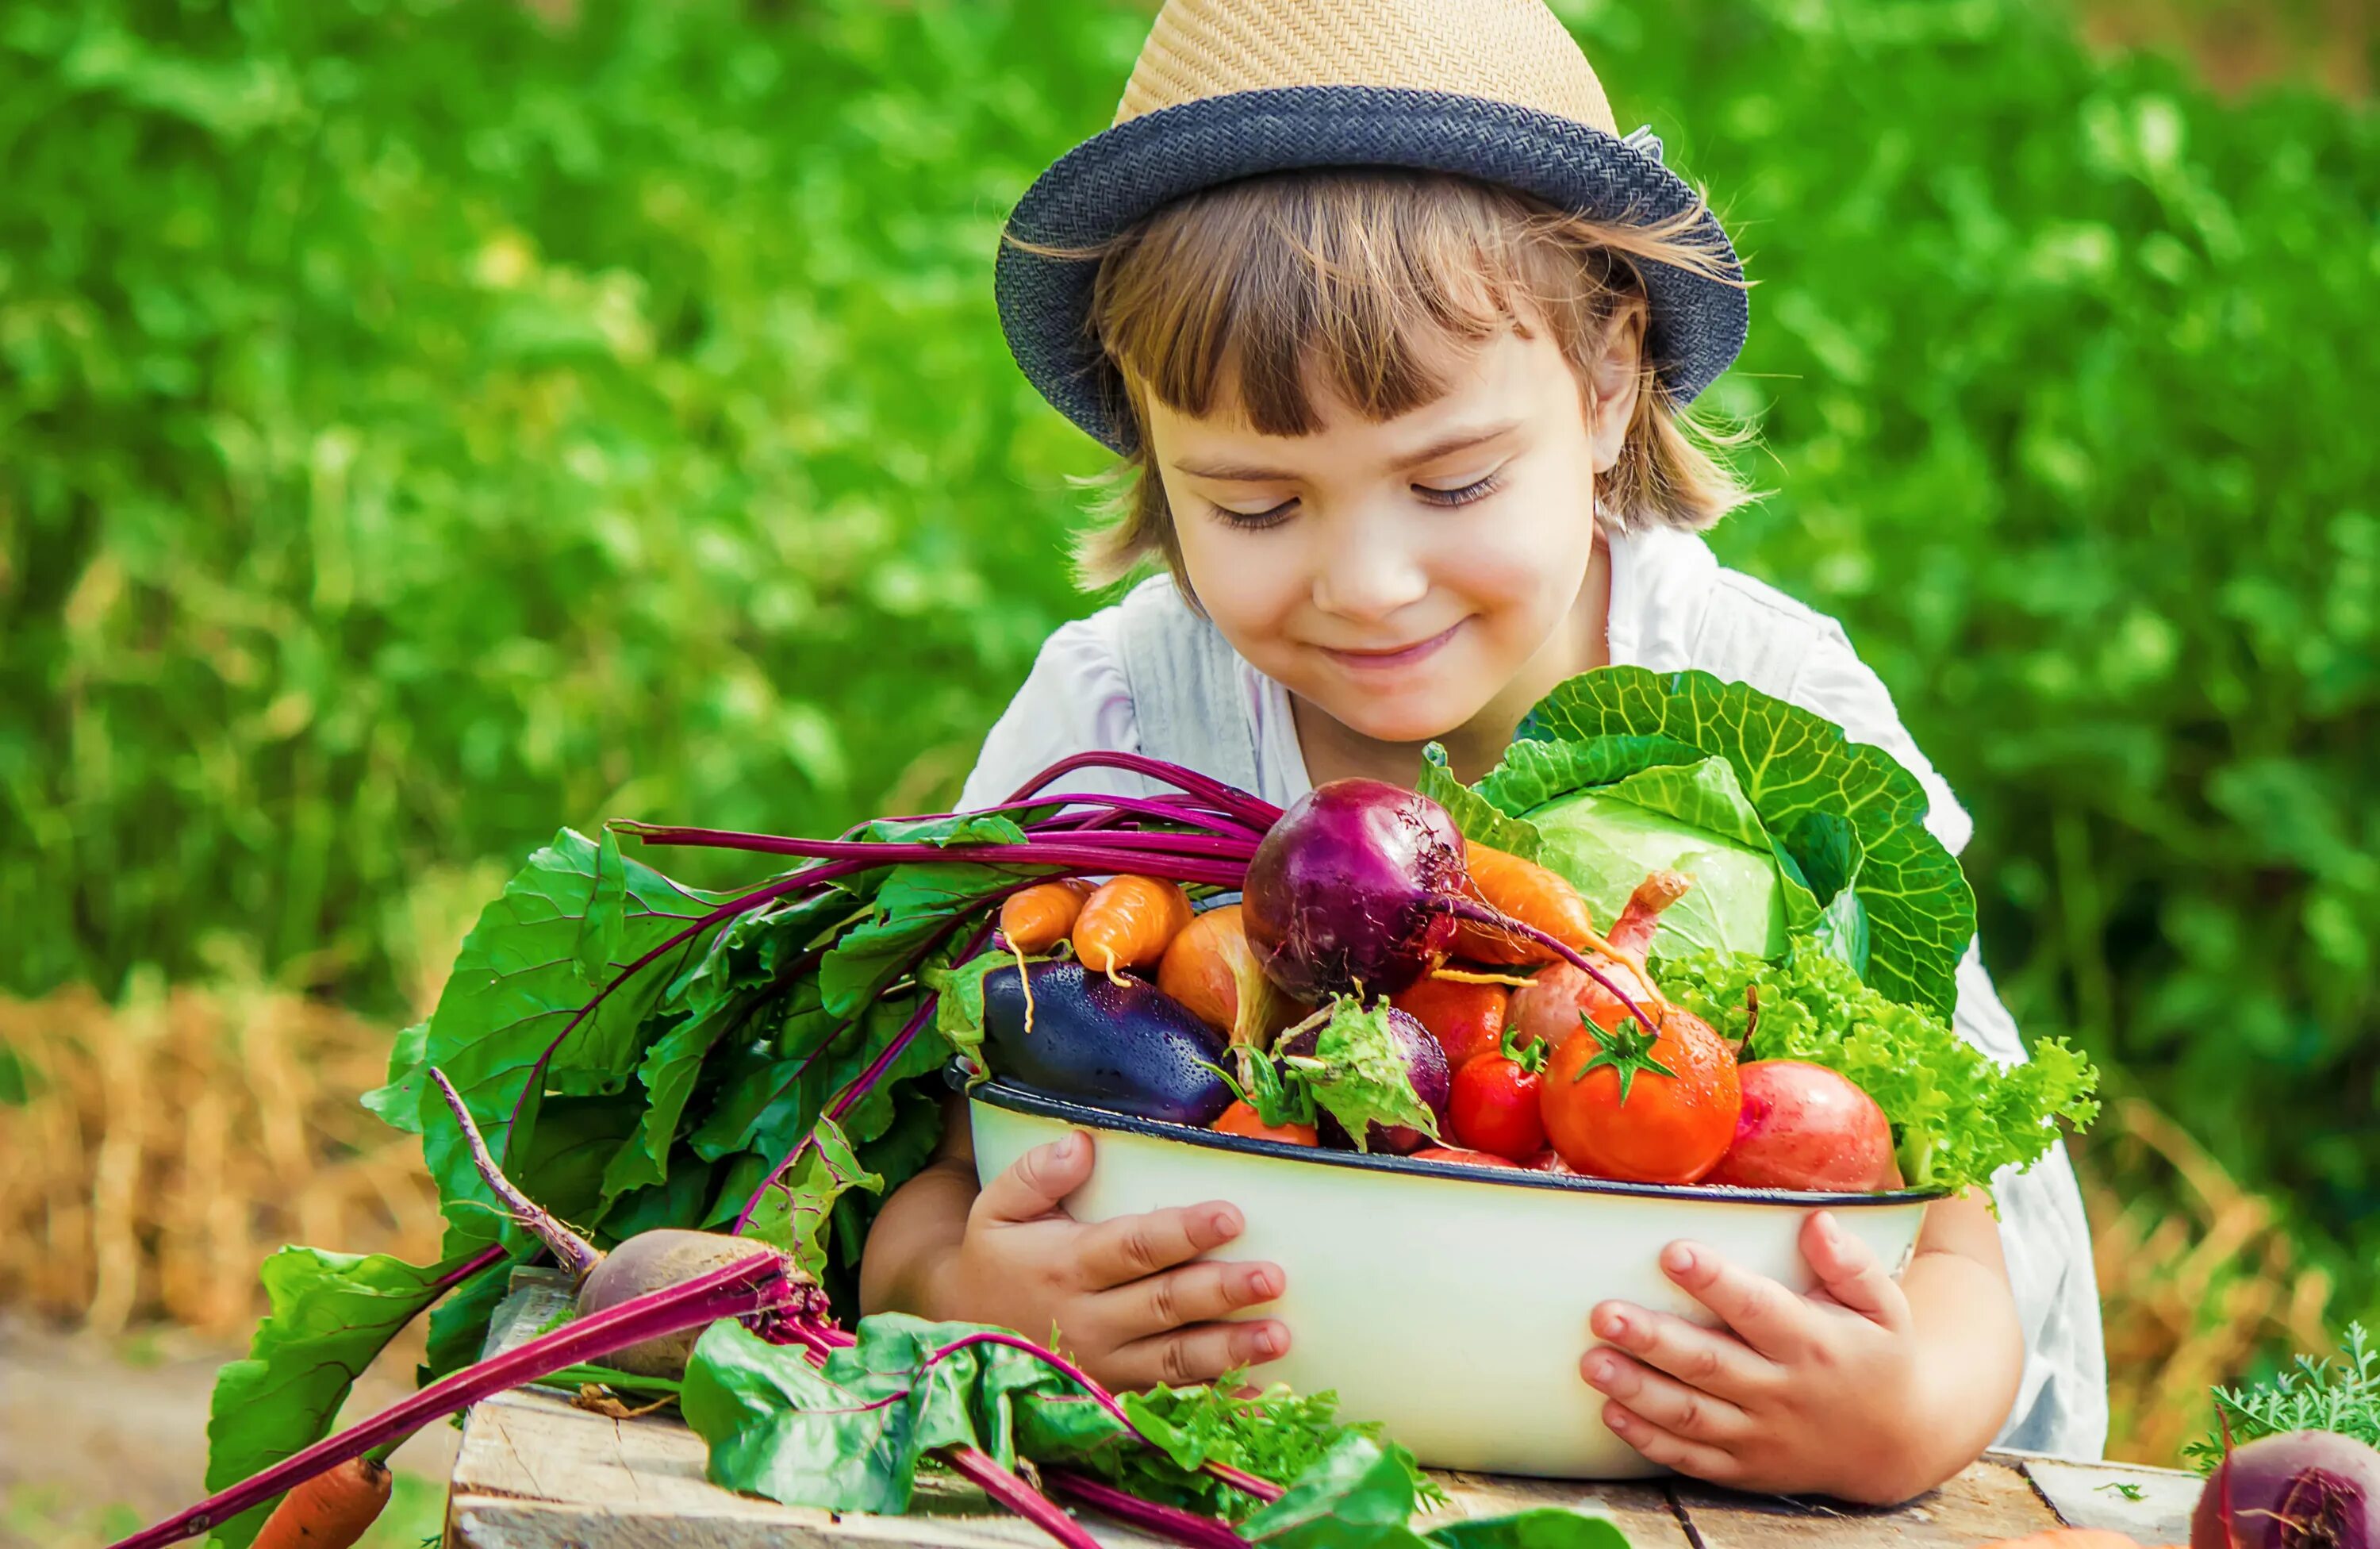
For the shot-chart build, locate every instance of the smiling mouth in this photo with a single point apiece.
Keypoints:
(1399, 656)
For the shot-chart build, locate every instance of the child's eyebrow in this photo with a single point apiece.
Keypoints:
(1445, 445)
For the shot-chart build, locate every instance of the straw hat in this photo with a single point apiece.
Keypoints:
(1495, 89)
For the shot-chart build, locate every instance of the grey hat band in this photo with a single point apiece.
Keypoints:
(1102, 186)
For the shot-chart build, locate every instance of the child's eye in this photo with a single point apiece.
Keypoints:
(1272, 515)
(1479, 490)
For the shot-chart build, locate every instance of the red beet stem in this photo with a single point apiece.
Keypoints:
(1062, 854)
(984, 1470)
(1258, 811)
(572, 1252)
(750, 1285)
(1482, 914)
(1172, 1523)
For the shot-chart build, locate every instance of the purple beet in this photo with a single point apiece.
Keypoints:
(1425, 1067)
(1350, 891)
(2304, 1490)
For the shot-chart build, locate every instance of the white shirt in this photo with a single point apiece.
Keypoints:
(1151, 675)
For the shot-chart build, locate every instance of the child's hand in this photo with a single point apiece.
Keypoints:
(1128, 1303)
(1794, 1394)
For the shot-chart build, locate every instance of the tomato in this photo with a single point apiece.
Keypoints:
(1494, 1105)
(1241, 1119)
(1627, 1104)
(1462, 1158)
(1464, 1018)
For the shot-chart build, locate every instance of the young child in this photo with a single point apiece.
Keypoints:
(1393, 332)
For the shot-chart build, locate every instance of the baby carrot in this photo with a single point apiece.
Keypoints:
(1129, 923)
(1038, 918)
(1531, 894)
(330, 1510)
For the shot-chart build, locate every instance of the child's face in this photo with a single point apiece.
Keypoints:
(1401, 577)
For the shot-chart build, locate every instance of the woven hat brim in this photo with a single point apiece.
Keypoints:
(1098, 190)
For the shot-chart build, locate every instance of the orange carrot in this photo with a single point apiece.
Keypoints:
(1038, 918)
(1531, 894)
(1242, 1119)
(1129, 923)
(330, 1510)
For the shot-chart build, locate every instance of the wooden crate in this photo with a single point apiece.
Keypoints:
(535, 1472)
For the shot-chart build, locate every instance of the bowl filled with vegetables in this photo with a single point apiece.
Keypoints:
(1466, 1059)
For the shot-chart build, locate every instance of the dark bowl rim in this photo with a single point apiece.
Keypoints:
(1000, 1094)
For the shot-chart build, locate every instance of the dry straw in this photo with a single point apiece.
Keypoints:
(168, 1144)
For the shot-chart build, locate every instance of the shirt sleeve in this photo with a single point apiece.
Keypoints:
(1075, 699)
(2061, 1403)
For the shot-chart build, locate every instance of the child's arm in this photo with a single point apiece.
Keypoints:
(1867, 1389)
(1125, 1295)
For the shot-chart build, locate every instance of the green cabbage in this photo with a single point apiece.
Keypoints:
(1605, 844)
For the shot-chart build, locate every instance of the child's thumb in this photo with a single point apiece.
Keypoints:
(1037, 1183)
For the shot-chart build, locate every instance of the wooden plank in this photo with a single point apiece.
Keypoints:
(1641, 1509)
(1992, 1499)
(2151, 1504)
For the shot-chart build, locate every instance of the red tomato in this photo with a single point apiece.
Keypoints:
(1494, 1105)
(1241, 1119)
(1464, 1158)
(1628, 1104)
(1464, 1018)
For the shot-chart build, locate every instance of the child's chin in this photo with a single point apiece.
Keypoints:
(1392, 717)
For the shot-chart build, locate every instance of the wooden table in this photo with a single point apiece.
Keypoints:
(535, 1472)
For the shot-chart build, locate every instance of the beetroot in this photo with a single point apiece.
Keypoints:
(1347, 1062)
(1348, 890)
(2303, 1490)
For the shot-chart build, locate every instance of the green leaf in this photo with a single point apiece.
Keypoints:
(517, 982)
(916, 904)
(1540, 1528)
(398, 1103)
(1479, 819)
(605, 924)
(958, 1015)
(331, 1314)
(1791, 764)
(795, 1215)
(1359, 1494)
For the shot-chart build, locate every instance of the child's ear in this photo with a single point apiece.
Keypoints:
(1613, 383)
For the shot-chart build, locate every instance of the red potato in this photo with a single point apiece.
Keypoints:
(1803, 1125)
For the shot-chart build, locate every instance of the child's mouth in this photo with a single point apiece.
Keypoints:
(1399, 656)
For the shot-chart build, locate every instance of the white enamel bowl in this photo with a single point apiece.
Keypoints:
(1449, 1303)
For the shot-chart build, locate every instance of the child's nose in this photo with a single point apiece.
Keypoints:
(1367, 577)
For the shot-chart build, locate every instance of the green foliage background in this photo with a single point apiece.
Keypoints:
(421, 423)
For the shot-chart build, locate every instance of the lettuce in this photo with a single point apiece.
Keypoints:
(1958, 1115)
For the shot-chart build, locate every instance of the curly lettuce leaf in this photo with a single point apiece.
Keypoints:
(1958, 1115)
(1813, 789)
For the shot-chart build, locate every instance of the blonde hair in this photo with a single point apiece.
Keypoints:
(1355, 274)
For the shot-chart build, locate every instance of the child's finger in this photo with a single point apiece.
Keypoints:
(1850, 1274)
(1681, 1410)
(1194, 1294)
(1669, 1449)
(1709, 1358)
(1036, 1184)
(1197, 1354)
(1130, 1247)
(1770, 1319)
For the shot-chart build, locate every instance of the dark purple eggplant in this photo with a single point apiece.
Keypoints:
(1425, 1067)
(1129, 1048)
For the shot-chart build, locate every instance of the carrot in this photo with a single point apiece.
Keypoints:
(1531, 894)
(330, 1510)
(1038, 918)
(1242, 1119)
(1128, 922)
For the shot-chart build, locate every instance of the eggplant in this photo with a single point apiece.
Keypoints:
(1127, 1048)
(1425, 1067)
